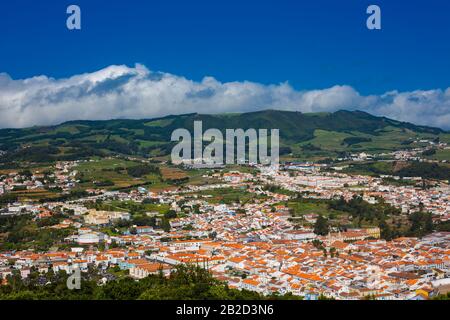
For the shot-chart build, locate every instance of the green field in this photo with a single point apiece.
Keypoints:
(371, 168)
(445, 137)
(441, 155)
(159, 123)
(229, 195)
(37, 194)
(302, 207)
(138, 207)
(386, 139)
(113, 170)
(328, 140)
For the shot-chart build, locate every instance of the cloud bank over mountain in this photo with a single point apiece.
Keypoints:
(135, 93)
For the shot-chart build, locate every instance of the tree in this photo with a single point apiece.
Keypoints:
(213, 235)
(386, 231)
(443, 297)
(186, 282)
(321, 227)
(333, 252)
(421, 224)
(165, 225)
(171, 214)
(322, 297)
(318, 244)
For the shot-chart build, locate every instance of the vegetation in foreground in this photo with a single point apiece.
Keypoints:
(184, 283)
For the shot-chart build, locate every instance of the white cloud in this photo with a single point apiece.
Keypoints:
(124, 92)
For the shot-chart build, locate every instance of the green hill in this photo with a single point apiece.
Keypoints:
(302, 135)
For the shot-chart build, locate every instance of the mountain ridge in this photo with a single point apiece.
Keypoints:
(259, 112)
(321, 134)
(265, 111)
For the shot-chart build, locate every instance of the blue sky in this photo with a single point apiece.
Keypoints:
(311, 44)
(286, 54)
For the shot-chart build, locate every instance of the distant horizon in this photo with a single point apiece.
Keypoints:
(144, 59)
(219, 114)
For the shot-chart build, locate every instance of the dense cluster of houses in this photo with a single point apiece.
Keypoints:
(329, 185)
(62, 177)
(255, 245)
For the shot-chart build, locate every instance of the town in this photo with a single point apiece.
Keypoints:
(305, 229)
